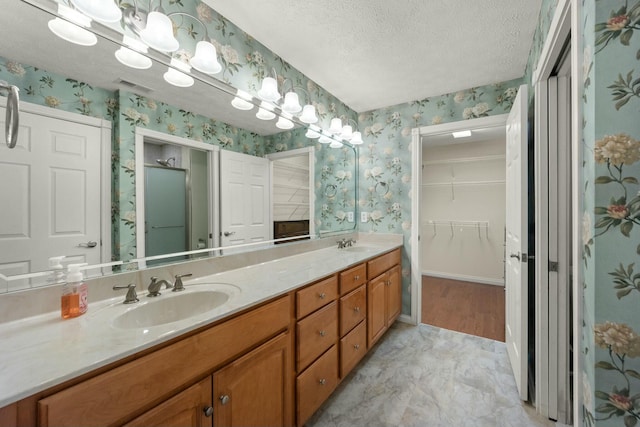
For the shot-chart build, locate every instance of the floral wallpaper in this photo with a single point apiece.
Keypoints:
(385, 157)
(611, 236)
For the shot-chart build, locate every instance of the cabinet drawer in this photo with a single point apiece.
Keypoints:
(379, 265)
(352, 348)
(316, 384)
(352, 278)
(315, 296)
(315, 334)
(353, 309)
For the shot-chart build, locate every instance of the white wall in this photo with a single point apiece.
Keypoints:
(464, 183)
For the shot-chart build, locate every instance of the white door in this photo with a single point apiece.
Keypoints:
(244, 198)
(516, 241)
(50, 192)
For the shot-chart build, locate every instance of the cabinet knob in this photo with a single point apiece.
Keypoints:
(356, 346)
(322, 333)
(322, 295)
(356, 277)
(356, 309)
(208, 411)
(224, 399)
(322, 381)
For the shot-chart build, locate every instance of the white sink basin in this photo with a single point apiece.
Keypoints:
(175, 306)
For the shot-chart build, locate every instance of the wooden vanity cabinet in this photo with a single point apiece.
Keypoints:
(155, 384)
(256, 389)
(384, 294)
(189, 408)
(353, 314)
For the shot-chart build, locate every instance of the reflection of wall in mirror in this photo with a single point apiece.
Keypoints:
(129, 111)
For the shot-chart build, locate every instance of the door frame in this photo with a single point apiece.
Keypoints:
(310, 152)
(416, 180)
(564, 28)
(214, 191)
(105, 164)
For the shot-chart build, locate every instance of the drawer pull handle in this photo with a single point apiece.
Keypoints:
(322, 295)
(208, 411)
(356, 277)
(356, 309)
(322, 381)
(356, 346)
(322, 333)
(224, 399)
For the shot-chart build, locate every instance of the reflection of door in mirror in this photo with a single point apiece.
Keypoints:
(177, 210)
(244, 199)
(165, 207)
(292, 193)
(50, 187)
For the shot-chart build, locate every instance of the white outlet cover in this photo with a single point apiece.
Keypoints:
(350, 216)
(364, 216)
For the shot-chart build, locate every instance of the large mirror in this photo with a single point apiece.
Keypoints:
(59, 76)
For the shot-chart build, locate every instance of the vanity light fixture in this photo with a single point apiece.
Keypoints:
(130, 54)
(336, 126)
(324, 138)
(308, 115)
(291, 103)
(206, 58)
(269, 90)
(284, 122)
(313, 132)
(264, 112)
(356, 139)
(69, 26)
(158, 33)
(99, 10)
(461, 134)
(242, 101)
(336, 144)
(177, 74)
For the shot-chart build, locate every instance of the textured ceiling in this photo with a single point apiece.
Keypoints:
(379, 53)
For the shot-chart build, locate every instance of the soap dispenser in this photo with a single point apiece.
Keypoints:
(74, 300)
(56, 276)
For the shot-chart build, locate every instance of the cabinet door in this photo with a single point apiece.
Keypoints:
(186, 409)
(256, 390)
(394, 295)
(376, 308)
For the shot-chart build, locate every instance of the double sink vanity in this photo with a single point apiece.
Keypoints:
(264, 340)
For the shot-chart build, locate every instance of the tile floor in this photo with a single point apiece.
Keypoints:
(427, 376)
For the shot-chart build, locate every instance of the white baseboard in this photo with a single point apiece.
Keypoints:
(475, 279)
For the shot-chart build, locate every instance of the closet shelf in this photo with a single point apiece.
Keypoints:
(464, 160)
(295, 168)
(470, 183)
(290, 186)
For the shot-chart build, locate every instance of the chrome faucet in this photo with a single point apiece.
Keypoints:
(178, 285)
(345, 243)
(156, 285)
(131, 296)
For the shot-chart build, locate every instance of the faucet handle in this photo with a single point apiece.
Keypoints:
(131, 296)
(178, 285)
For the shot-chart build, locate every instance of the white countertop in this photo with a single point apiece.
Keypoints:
(42, 351)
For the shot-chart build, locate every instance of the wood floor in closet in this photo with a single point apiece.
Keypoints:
(472, 308)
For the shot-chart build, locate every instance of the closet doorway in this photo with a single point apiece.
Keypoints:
(462, 226)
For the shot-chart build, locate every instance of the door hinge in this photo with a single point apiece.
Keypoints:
(553, 266)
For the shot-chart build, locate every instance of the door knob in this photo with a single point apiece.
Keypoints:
(229, 233)
(89, 244)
